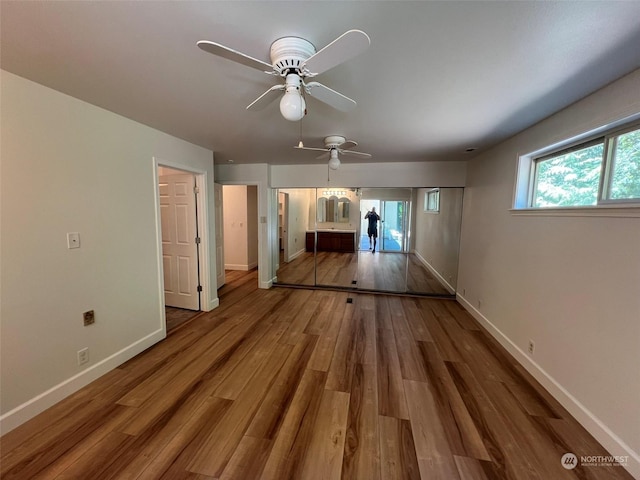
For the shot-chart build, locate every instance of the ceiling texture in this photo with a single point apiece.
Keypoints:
(438, 78)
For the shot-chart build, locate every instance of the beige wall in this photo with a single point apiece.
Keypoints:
(68, 166)
(240, 227)
(570, 283)
(437, 235)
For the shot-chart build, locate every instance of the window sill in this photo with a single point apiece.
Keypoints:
(622, 211)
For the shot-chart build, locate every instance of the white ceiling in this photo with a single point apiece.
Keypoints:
(438, 78)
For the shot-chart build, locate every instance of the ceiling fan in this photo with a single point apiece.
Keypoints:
(296, 60)
(334, 145)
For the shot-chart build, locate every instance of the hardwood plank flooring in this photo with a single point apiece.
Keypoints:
(382, 271)
(299, 384)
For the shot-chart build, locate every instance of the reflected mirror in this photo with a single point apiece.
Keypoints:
(323, 239)
(332, 209)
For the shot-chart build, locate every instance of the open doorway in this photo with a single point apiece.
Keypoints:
(392, 228)
(240, 227)
(181, 254)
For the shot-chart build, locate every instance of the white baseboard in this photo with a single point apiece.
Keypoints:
(242, 267)
(296, 255)
(40, 403)
(435, 273)
(215, 303)
(603, 434)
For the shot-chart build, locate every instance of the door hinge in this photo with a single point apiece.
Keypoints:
(196, 190)
(197, 240)
(199, 288)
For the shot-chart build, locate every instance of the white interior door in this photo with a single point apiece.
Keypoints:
(179, 248)
(219, 235)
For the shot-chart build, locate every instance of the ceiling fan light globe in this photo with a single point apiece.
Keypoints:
(334, 163)
(292, 106)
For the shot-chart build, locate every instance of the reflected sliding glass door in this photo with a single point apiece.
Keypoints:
(394, 226)
(392, 229)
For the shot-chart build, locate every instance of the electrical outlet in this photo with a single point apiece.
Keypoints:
(73, 240)
(83, 356)
(89, 317)
(531, 347)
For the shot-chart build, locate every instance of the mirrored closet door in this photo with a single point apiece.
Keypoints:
(323, 239)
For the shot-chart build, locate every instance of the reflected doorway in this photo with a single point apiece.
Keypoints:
(392, 228)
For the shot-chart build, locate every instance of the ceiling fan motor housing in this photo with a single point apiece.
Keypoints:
(334, 141)
(289, 53)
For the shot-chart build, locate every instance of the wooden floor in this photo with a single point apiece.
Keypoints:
(300, 384)
(177, 316)
(364, 270)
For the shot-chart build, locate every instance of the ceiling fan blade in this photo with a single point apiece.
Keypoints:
(347, 145)
(310, 148)
(265, 99)
(324, 156)
(330, 97)
(343, 48)
(235, 56)
(357, 154)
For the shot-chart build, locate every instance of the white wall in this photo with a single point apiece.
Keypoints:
(400, 174)
(570, 283)
(437, 235)
(68, 166)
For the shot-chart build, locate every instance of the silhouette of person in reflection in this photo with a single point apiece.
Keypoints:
(372, 230)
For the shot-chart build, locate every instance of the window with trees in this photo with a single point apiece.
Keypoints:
(603, 170)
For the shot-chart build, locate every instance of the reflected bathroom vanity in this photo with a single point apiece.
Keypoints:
(331, 241)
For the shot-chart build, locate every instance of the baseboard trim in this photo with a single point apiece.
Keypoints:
(603, 434)
(435, 273)
(40, 403)
(297, 254)
(241, 267)
(215, 303)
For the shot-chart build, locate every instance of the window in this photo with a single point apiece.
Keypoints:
(432, 200)
(623, 179)
(568, 178)
(598, 171)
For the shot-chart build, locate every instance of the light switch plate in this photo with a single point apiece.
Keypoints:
(73, 240)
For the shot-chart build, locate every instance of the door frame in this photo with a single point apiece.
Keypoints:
(206, 302)
(267, 228)
(285, 224)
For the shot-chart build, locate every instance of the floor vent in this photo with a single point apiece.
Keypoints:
(349, 300)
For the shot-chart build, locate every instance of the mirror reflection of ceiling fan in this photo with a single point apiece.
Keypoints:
(333, 146)
(297, 61)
